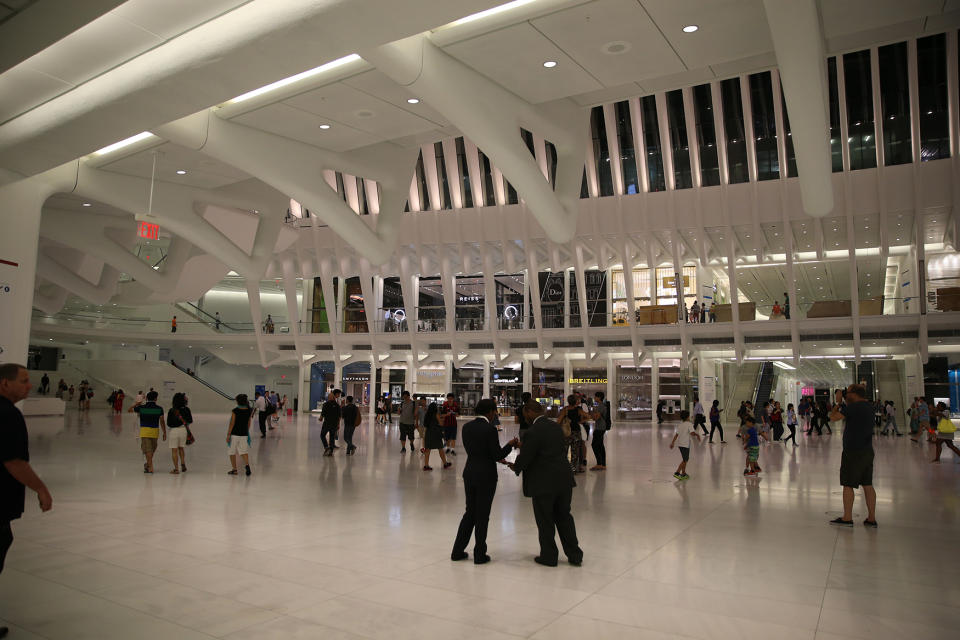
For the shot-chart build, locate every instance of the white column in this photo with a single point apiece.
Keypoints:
(372, 408)
(486, 378)
(337, 374)
(566, 297)
(707, 382)
(528, 376)
(20, 204)
(567, 374)
(654, 384)
(526, 299)
(798, 42)
(611, 379)
(303, 386)
(448, 365)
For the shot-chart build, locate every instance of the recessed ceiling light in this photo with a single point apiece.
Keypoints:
(87, 204)
(324, 126)
(413, 100)
(550, 64)
(690, 28)
(181, 172)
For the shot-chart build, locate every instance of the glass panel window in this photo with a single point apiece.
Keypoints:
(361, 197)
(552, 163)
(836, 139)
(489, 197)
(706, 135)
(424, 192)
(733, 124)
(340, 188)
(628, 160)
(584, 189)
(442, 176)
(895, 104)
(527, 137)
(791, 154)
(651, 139)
(512, 197)
(595, 286)
(601, 152)
(464, 173)
(764, 126)
(932, 82)
(678, 140)
(859, 96)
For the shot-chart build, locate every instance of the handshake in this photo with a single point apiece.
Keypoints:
(515, 443)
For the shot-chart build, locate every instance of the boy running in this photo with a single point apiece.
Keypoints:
(681, 438)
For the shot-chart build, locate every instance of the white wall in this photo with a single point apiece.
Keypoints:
(234, 378)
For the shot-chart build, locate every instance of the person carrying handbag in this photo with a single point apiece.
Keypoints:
(179, 420)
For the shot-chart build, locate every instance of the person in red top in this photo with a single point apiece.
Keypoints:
(448, 418)
(118, 401)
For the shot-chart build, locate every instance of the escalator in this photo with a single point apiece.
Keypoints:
(213, 388)
(765, 382)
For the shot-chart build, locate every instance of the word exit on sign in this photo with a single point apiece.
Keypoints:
(148, 230)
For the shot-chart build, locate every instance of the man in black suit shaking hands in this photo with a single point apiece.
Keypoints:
(483, 448)
(548, 479)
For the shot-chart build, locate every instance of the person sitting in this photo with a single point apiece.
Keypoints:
(777, 311)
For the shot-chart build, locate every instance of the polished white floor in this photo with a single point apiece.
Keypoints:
(314, 547)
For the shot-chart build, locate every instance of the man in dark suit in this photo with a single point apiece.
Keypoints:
(548, 479)
(483, 448)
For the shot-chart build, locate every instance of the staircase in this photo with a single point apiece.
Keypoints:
(765, 383)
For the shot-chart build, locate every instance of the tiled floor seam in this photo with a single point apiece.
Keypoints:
(826, 583)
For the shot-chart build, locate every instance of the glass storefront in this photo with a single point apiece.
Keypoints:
(467, 386)
(356, 382)
(595, 286)
(547, 387)
(393, 314)
(509, 291)
(506, 386)
(432, 382)
(470, 309)
(551, 300)
(321, 379)
(634, 389)
(431, 313)
(588, 381)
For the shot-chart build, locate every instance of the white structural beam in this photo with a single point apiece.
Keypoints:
(492, 117)
(798, 42)
(291, 167)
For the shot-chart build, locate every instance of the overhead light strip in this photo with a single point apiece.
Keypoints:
(143, 135)
(490, 12)
(333, 64)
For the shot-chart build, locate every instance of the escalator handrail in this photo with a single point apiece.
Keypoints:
(213, 318)
(203, 382)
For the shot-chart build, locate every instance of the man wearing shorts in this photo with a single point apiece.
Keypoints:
(151, 423)
(856, 461)
(407, 420)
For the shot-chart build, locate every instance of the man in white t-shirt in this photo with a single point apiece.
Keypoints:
(260, 405)
(681, 438)
(699, 416)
